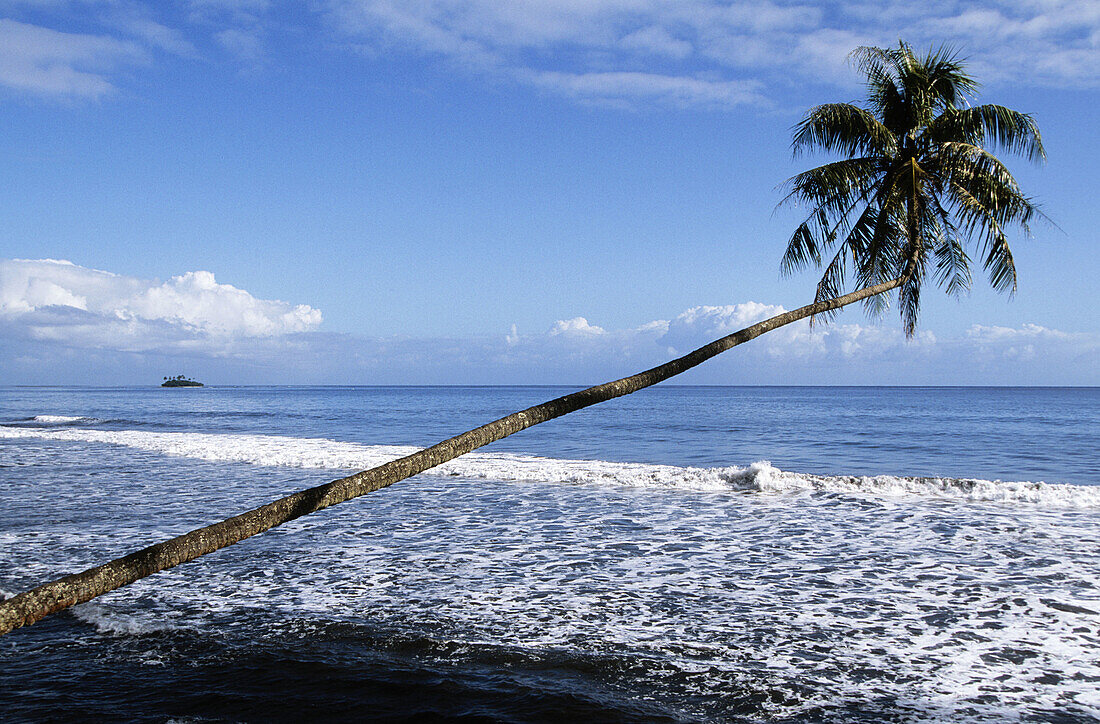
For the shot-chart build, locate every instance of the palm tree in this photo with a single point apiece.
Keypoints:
(916, 185)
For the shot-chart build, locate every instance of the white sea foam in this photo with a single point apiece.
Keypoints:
(836, 592)
(59, 419)
(986, 613)
(110, 621)
(319, 453)
(107, 620)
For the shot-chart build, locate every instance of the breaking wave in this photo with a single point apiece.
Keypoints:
(762, 477)
(52, 421)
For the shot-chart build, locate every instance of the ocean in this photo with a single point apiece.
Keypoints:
(778, 554)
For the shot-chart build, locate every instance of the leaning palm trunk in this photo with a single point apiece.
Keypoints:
(26, 608)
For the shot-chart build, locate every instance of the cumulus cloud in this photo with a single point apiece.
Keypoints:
(785, 355)
(983, 334)
(991, 345)
(58, 321)
(698, 325)
(800, 343)
(60, 301)
(576, 326)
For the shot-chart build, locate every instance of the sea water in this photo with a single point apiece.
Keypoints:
(682, 554)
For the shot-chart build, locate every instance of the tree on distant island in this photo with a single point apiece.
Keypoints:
(180, 381)
(916, 186)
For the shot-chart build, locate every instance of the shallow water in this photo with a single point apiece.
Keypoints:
(635, 561)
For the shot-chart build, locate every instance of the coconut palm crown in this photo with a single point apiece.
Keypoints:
(917, 184)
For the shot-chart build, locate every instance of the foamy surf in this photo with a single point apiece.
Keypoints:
(50, 420)
(762, 477)
(109, 621)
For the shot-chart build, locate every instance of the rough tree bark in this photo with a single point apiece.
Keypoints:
(26, 608)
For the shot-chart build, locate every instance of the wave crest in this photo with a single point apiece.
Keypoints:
(53, 420)
(761, 477)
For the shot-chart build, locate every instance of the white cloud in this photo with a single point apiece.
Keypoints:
(41, 53)
(573, 351)
(658, 41)
(49, 62)
(671, 90)
(988, 344)
(49, 308)
(247, 46)
(719, 52)
(243, 15)
(236, 6)
(800, 341)
(580, 345)
(983, 334)
(722, 320)
(578, 326)
(722, 53)
(59, 301)
(157, 35)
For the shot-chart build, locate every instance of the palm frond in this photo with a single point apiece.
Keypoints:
(948, 84)
(990, 125)
(804, 247)
(918, 186)
(843, 128)
(987, 182)
(909, 292)
(831, 284)
(833, 185)
(873, 256)
(883, 69)
(909, 304)
(816, 235)
(875, 64)
(999, 264)
(952, 261)
(952, 266)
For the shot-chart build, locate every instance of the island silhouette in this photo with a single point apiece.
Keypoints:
(180, 381)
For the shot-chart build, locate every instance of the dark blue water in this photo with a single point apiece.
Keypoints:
(896, 559)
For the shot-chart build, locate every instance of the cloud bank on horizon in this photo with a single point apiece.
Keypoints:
(48, 300)
(690, 53)
(123, 328)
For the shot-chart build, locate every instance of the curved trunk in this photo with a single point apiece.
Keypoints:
(26, 608)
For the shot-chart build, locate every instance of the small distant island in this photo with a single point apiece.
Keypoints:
(180, 381)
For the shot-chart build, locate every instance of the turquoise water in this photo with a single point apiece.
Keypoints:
(683, 554)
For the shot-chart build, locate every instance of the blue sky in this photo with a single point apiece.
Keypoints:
(552, 191)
